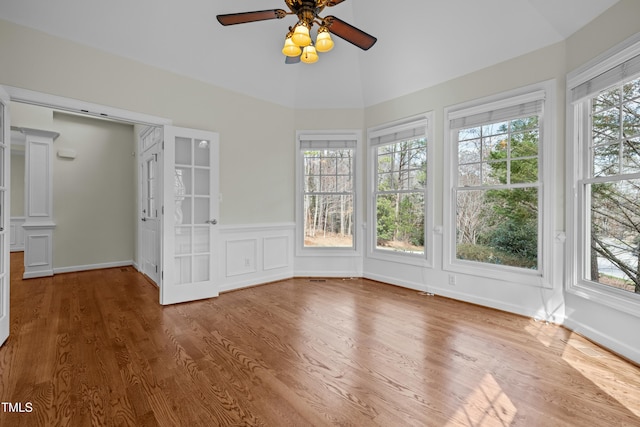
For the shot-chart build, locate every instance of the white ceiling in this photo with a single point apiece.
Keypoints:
(420, 42)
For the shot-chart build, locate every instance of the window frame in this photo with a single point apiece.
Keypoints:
(319, 136)
(542, 276)
(578, 175)
(424, 120)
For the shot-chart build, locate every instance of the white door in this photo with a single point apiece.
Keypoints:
(5, 214)
(149, 214)
(190, 212)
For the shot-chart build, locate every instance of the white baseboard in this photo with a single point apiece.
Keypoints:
(603, 339)
(76, 268)
(36, 274)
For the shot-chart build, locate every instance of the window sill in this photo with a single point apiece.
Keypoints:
(502, 273)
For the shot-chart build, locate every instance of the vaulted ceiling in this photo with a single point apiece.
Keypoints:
(420, 42)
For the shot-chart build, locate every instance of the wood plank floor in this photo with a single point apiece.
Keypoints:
(95, 348)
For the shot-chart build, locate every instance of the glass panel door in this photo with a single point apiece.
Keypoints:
(190, 215)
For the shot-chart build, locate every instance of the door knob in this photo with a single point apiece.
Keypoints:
(144, 219)
(212, 221)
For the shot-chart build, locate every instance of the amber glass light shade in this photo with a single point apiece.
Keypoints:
(309, 55)
(290, 48)
(323, 41)
(301, 35)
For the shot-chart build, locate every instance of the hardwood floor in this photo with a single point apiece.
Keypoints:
(95, 348)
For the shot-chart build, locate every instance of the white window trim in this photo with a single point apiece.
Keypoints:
(422, 260)
(332, 135)
(577, 130)
(543, 276)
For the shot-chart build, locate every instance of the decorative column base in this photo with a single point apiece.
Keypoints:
(38, 254)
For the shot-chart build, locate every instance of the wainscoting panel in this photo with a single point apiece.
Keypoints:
(17, 233)
(276, 252)
(241, 256)
(38, 261)
(255, 254)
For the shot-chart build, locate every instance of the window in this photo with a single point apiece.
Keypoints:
(399, 188)
(327, 164)
(606, 177)
(497, 220)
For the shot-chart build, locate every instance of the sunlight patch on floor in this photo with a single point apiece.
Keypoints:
(545, 333)
(488, 405)
(605, 379)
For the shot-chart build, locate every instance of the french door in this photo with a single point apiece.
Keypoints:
(5, 157)
(190, 212)
(150, 214)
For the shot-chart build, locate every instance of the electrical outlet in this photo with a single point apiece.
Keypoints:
(452, 279)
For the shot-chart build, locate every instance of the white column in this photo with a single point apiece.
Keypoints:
(39, 225)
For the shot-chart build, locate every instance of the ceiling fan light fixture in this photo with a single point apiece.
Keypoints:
(301, 35)
(309, 55)
(323, 40)
(290, 48)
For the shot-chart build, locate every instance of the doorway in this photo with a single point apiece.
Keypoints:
(187, 262)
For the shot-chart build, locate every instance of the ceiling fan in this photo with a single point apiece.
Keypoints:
(298, 44)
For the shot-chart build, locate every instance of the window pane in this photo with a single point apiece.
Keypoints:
(606, 160)
(632, 156)
(493, 147)
(469, 151)
(606, 100)
(615, 234)
(469, 133)
(525, 144)
(631, 90)
(400, 222)
(523, 171)
(494, 173)
(328, 221)
(499, 128)
(606, 126)
(328, 218)
(498, 227)
(469, 175)
(631, 118)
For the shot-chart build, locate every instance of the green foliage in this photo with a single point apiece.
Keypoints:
(506, 228)
(386, 219)
(401, 178)
(517, 239)
(488, 254)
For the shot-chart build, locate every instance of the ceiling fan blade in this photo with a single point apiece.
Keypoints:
(334, 2)
(349, 33)
(292, 60)
(244, 17)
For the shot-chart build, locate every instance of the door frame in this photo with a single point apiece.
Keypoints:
(91, 109)
(5, 275)
(143, 154)
(27, 96)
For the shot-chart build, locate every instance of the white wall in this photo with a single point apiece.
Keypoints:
(256, 136)
(93, 194)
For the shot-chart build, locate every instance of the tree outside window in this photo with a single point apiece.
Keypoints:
(612, 188)
(497, 193)
(328, 197)
(401, 178)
